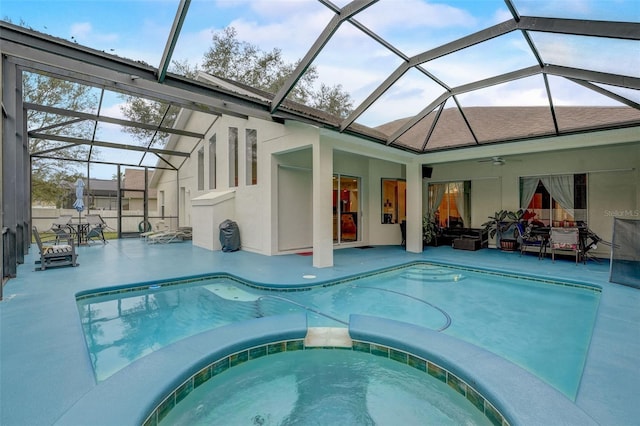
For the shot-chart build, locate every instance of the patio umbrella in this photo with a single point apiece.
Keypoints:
(79, 203)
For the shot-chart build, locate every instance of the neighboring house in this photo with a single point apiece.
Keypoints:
(295, 187)
(103, 194)
(133, 191)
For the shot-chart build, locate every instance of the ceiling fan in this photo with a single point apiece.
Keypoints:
(496, 161)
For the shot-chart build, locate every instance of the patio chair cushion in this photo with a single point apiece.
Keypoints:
(58, 248)
(569, 246)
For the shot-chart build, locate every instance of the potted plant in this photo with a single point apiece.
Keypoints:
(500, 225)
(429, 228)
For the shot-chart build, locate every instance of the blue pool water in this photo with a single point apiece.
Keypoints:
(545, 328)
(324, 387)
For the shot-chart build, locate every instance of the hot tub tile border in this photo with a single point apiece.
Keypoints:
(426, 366)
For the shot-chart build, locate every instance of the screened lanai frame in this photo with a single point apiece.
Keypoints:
(29, 51)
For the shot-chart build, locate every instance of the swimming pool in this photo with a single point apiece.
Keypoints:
(323, 386)
(543, 327)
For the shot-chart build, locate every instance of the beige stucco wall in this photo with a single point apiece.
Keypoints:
(613, 182)
(613, 176)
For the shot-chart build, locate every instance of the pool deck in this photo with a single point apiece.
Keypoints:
(45, 368)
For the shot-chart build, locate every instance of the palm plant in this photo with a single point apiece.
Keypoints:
(501, 222)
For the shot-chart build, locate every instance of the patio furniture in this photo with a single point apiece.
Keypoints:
(60, 227)
(79, 231)
(448, 236)
(96, 226)
(160, 227)
(528, 238)
(565, 239)
(467, 242)
(170, 236)
(55, 254)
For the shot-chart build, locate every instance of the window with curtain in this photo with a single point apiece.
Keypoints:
(450, 203)
(558, 200)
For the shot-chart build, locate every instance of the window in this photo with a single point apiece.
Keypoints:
(233, 156)
(212, 162)
(252, 156)
(450, 203)
(201, 169)
(394, 201)
(161, 202)
(559, 200)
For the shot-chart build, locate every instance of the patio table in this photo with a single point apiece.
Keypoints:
(80, 230)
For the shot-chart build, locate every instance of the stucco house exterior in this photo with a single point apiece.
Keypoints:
(293, 186)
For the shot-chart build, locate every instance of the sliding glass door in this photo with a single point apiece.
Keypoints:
(450, 203)
(346, 209)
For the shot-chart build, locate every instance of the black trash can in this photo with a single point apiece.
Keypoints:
(229, 236)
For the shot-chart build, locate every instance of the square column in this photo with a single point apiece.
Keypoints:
(414, 208)
(322, 205)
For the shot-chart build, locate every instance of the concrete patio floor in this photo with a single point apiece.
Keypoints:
(45, 367)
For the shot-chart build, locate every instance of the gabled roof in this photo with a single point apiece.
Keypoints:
(483, 125)
(102, 186)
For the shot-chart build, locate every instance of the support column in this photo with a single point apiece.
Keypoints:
(322, 205)
(9, 195)
(23, 176)
(414, 208)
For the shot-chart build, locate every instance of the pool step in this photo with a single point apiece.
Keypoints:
(328, 337)
(441, 276)
(231, 292)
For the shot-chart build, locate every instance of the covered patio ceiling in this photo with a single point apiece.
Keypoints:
(530, 70)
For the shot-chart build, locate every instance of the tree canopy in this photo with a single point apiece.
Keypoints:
(245, 63)
(52, 176)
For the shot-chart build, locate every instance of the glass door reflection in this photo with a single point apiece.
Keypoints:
(346, 209)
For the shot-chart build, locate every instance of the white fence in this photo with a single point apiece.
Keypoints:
(43, 218)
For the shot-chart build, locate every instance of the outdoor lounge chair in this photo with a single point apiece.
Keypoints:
(55, 254)
(565, 239)
(96, 227)
(160, 227)
(170, 236)
(60, 227)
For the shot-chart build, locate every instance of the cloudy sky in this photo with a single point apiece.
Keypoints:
(138, 29)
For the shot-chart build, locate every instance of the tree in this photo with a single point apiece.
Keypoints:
(150, 112)
(154, 112)
(54, 187)
(333, 100)
(236, 60)
(48, 175)
(243, 62)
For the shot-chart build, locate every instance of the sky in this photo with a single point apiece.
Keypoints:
(138, 29)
